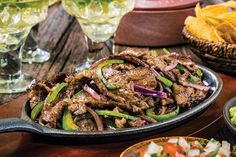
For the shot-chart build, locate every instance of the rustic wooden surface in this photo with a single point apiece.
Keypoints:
(62, 36)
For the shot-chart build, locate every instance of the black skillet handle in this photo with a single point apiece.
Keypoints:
(17, 124)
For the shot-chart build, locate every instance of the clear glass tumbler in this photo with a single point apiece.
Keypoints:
(16, 20)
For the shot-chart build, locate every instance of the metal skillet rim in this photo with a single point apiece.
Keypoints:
(134, 130)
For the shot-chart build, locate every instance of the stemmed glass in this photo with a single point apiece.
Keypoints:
(16, 20)
(31, 53)
(99, 20)
(52, 2)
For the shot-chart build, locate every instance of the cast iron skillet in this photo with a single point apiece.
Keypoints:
(27, 125)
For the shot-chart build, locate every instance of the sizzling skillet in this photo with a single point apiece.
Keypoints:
(25, 124)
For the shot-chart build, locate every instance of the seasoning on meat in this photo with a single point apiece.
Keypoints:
(130, 89)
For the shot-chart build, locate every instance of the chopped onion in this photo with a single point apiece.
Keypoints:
(200, 87)
(173, 140)
(194, 152)
(172, 65)
(225, 149)
(226, 145)
(223, 152)
(184, 144)
(153, 148)
(211, 146)
(150, 92)
(94, 94)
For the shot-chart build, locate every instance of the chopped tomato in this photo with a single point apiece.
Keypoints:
(142, 151)
(172, 149)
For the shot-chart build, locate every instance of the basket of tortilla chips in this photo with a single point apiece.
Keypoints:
(212, 35)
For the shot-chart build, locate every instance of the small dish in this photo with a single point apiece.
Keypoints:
(133, 150)
(228, 105)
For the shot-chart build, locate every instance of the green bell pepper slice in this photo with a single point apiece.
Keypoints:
(193, 78)
(54, 94)
(36, 110)
(115, 114)
(67, 121)
(199, 73)
(78, 93)
(181, 67)
(150, 112)
(166, 51)
(100, 73)
(165, 81)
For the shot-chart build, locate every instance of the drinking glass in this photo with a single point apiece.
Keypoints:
(99, 20)
(16, 20)
(52, 2)
(31, 53)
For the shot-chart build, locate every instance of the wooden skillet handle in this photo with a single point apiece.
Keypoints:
(17, 124)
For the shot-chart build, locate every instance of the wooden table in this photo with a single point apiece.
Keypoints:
(62, 35)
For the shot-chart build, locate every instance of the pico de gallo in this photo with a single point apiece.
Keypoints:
(180, 147)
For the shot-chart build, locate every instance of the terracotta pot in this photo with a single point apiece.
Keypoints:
(155, 25)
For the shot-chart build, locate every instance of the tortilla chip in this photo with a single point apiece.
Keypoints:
(227, 38)
(198, 11)
(214, 22)
(214, 10)
(200, 29)
(230, 17)
(228, 31)
(219, 36)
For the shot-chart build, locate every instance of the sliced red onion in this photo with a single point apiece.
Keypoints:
(155, 73)
(131, 85)
(200, 87)
(194, 152)
(96, 118)
(172, 65)
(150, 92)
(94, 65)
(148, 119)
(94, 94)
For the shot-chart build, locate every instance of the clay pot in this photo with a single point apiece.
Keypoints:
(155, 23)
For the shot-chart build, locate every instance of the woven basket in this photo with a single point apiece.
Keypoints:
(219, 56)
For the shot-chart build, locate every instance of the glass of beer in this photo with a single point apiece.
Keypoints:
(17, 17)
(99, 20)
